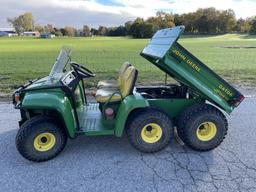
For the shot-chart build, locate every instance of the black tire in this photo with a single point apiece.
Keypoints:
(191, 120)
(30, 132)
(139, 122)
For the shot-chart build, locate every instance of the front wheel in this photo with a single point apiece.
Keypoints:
(202, 127)
(40, 139)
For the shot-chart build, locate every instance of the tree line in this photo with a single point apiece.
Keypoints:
(202, 21)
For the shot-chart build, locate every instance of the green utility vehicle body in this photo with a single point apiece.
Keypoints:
(56, 95)
(38, 102)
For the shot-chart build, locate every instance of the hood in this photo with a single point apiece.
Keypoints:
(42, 83)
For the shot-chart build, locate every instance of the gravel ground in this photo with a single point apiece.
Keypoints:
(111, 164)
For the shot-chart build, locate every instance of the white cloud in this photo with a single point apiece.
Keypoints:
(242, 8)
(79, 12)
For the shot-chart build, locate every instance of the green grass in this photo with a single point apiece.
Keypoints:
(22, 59)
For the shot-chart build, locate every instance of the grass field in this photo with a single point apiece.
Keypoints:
(22, 59)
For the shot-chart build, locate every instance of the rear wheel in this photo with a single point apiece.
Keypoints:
(40, 139)
(149, 131)
(202, 127)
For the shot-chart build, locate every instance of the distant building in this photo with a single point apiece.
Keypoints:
(7, 32)
(3, 34)
(47, 35)
(12, 34)
(31, 34)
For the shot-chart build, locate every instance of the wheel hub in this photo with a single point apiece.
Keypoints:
(149, 128)
(44, 142)
(206, 131)
(43, 139)
(151, 133)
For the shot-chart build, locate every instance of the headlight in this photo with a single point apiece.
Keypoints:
(17, 97)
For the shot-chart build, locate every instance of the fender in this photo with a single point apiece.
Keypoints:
(130, 103)
(52, 100)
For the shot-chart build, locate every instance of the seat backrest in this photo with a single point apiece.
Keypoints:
(128, 80)
(123, 69)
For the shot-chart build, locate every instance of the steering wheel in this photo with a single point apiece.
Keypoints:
(82, 71)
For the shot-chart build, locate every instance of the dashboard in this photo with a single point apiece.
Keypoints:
(68, 78)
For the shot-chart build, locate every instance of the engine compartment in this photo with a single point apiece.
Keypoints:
(163, 91)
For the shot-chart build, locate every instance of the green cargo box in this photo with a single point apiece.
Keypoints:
(166, 53)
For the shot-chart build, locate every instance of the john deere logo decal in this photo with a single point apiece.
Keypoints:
(187, 61)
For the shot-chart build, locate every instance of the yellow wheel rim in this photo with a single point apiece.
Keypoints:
(151, 133)
(206, 131)
(44, 141)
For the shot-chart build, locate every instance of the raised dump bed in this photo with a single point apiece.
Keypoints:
(166, 53)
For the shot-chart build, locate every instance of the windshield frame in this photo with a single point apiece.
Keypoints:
(60, 63)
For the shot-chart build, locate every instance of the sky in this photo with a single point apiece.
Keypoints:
(77, 13)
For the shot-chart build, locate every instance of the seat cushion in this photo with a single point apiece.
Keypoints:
(107, 84)
(103, 95)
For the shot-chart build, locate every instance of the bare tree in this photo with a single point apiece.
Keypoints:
(24, 22)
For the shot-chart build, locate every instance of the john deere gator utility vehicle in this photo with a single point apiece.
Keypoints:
(55, 107)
